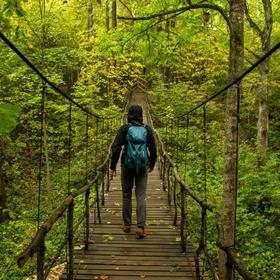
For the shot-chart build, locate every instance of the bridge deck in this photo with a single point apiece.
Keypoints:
(116, 255)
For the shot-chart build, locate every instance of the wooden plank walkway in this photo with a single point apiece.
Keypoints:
(116, 255)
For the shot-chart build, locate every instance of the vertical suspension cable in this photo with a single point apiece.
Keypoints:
(43, 115)
(86, 173)
(96, 142)
(185, 177)
(42, 118)
(171, 133)
(102, 140)
(96, 163)
(177, 137)
(186, 149)
(166, 131)
(69, 147)
(69, 177)
(204, 153)
(87, 192)
(205, 184)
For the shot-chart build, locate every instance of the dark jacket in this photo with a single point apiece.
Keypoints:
(134, 118)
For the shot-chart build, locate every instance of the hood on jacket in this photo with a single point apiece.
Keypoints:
(135, 114)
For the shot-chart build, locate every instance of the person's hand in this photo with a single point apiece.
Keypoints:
(113, 173)
(150, 169)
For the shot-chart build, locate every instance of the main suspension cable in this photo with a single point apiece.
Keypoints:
(52, 85)
(236, 81)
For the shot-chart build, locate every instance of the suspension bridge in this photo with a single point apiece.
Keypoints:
(95, 245)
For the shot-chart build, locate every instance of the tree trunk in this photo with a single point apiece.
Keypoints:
(167, 69)
(262, 136)
(90, 18)
(46, 152)
(227, 234)
(44, 96)
(265, 35)
(107, 15)
(3, 182)
(114, 14)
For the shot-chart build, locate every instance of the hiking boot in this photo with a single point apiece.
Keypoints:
(126, 228)
(140, 233)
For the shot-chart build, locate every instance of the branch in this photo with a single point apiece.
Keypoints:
(126, 8)
(184, 9)
(148, 37)
(268, 24)
(250, 62)
(253, 53)
(251, 22)
(149, 27)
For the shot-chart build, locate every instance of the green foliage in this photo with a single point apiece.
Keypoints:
(258, 225)
(8, 116)
(7, 9)
(183, 61)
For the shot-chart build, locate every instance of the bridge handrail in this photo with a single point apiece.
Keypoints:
(187, 188)
(47, 81)
(235, 82)
(230, 251)
(37, 245)
(232, 254)
(46, 227)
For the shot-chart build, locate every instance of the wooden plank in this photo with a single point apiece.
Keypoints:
(132, 269)
(112, 261)
(137, 258)
(143, 254)
(120, 255)
(135, 277)
(119, 272)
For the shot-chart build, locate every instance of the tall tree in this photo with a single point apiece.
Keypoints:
(4, 178)
(265, 35)
(42, 5)
(114, 14)
(90, 18)
(107, 15)
(235, 22)
(236, 61)
(8, 115)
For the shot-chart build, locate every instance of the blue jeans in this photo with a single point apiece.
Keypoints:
(127, 180)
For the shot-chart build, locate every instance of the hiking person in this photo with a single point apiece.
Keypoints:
(137, 143)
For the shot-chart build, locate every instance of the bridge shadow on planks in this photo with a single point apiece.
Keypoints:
(116, 255)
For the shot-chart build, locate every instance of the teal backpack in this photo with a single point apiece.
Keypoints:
(136, 158)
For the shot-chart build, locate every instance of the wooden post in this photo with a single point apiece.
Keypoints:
(164, 175)
(41, 259)
(182, 228)
(159, 165)
(103, 188)
(87, 195)
(97, 202)
(175, 203)
(168, 185)
(108, 176)
(201, 246)
(70, 226)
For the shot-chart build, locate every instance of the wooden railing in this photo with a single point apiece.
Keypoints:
(96, 183)
(169, 171)
(37, 245)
